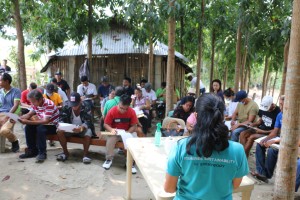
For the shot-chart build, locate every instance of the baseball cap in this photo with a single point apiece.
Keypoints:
(266, 103)
(104, 79)
(74, 99)
(148, 86)
(58, 73)
(50, 88)
(240, 95)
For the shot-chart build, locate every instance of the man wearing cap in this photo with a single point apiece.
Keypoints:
(52, 95)
(61, 93)
(104, 88)
(9, 102)
(244, 114)
(62, 83)
(265, 165)
(79, 114)
(40, 121)
(149, 94)
(263, 126)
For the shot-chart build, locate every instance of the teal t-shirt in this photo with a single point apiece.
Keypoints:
(206, 178)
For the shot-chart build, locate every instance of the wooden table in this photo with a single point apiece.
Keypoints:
(152, 162)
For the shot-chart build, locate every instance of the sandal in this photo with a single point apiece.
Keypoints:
(259, 177)
(61, 157)
(86, 160)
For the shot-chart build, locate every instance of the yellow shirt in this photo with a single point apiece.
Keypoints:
(55, 98)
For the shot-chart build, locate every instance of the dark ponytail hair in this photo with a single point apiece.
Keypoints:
(210, 133)
(229, 92)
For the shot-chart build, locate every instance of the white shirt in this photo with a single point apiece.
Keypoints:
(193, 83)
(150, 95)
(86, 91)
(76, 119)
(62, 95)
(231, 108)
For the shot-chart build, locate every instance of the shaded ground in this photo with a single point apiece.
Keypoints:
(27, 180)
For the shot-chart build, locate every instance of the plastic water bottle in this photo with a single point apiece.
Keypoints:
(157, 137)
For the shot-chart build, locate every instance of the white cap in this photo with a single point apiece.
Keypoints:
(191, 91)
(266, 103)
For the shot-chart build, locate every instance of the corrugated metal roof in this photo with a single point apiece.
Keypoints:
(114, 42)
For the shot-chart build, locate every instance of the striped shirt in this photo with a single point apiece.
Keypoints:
(48, 109)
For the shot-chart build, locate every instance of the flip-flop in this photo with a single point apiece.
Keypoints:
(61, 157)
(259, 177)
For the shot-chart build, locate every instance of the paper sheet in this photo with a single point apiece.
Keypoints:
(13, 116)
(124, 135)
(139, 113)
(66, 127)
(276, 146)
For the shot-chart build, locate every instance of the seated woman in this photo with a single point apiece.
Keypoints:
(216, 88)
(184, 110)
(206, 165)
(140, 102)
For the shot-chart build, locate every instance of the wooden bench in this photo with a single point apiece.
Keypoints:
(94, 141)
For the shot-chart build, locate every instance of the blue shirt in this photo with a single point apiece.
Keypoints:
(278, 121)
(7, 99)
(103, 91)
(206, 178)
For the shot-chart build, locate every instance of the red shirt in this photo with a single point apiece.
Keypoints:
(48, 109)
(24, 97)
(115, 119)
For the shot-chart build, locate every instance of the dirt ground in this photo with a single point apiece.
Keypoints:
(27, 180)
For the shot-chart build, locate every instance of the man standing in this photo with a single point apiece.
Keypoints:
(46, 118)
(9, 102)
(122, 117)
(263, 126)
(62, 83)
(79, 114)
(127, 86)
(245, 114)
(4, 67)
(104, 88)
(61, 93)
(194, 81)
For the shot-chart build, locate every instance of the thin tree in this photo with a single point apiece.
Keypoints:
(171, 59)
(286, 164)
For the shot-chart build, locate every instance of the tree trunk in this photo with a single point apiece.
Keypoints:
(248, 78)
(151, 65)
(90, 36)
(284, 187)
(286, 54)
(213, 40)
(171, 60)
(264, 83)
(181, 33)
(274, 84)
(225, 77)
(243, 73)
(238, 58)
(200, 39)
(20, 54)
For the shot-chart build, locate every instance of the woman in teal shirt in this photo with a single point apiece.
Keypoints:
(206, 165)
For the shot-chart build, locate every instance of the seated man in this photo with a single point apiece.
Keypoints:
(87, 91)
(267, 115)
(25, 103)
(53, 96)
(79, 114)
(245, 114)
(123, 117)
(265, 166)
(9, 102)
(46, 119)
